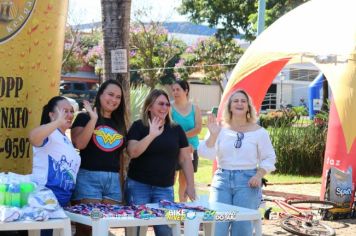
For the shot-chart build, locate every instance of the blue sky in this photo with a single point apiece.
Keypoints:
(87, 11)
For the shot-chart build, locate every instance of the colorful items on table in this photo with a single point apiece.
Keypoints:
(3, 189)
(25, 189)
(177, 206)
(144, 212)
(137, 211)
(15, 189)
(98, 210)
(14, 192)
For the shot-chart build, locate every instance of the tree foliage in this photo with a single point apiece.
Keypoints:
(151, 51)
(77, 48)
(235, 16)
(212, 57)
(72, 58)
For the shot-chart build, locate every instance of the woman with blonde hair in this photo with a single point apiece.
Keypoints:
(156, 145)
(244, 155)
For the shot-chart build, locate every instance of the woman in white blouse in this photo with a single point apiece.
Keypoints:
(244, 155)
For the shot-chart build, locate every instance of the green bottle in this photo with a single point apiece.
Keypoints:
(2, 193)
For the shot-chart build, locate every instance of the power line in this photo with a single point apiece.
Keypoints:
(182, 67)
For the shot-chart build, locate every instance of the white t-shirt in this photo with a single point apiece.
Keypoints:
(55, 165)
(256, 150)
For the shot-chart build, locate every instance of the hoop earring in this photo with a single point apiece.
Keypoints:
(248, 115)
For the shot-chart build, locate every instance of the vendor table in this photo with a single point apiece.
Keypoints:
(191, 227)
(60, 227)
(100, 227)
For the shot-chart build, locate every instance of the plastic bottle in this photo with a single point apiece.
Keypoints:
(14, 190)
(25, 188)
(7, 196)
(3, 188)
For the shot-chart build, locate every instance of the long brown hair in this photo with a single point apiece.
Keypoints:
(150, 99)
(119, 116)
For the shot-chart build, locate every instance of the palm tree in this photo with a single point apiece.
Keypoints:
(116, 27)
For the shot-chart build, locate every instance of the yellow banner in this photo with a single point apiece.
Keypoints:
(31, 47)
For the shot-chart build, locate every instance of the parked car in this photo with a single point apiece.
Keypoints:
(79, 91)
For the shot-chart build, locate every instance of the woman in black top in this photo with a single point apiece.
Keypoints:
(99, 135)
(155, 146)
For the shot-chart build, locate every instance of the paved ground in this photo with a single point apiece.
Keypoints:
(345, 227)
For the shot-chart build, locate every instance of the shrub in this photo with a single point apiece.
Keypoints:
(137, 98)
(279, 118)
(299, 150)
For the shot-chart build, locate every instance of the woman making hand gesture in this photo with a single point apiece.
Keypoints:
(244, 155)
(155, 146)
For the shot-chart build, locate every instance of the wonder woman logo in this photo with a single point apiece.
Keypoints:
(107, 139)
(13, 16)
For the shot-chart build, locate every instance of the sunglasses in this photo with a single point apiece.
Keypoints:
(238, 141)
(167, 104)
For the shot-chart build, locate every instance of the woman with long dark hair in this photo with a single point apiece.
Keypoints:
(99, 135)
(55, 161)
(52, 148)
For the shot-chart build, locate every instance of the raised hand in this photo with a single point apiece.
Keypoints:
(60, 119)
(213, 126)
(156, 126)
(92, 112)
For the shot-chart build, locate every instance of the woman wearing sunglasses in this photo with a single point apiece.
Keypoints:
(156, 146)
(244, 155)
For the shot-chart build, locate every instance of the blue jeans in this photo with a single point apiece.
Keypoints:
(140, 193)
(98, 185)
(231, 187)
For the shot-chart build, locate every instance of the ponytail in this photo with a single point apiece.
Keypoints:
(49, 107)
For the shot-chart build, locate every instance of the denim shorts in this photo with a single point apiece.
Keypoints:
(98, 185)
(141, 193)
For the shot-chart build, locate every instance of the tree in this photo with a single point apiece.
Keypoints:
(94, 58)
(77, 46)
(115, 26)
(152, 50)
(235, 16)
(72, 58)
(213, 57)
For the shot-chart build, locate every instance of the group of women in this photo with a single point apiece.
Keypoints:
(156, 145)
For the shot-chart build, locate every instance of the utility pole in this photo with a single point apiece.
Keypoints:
(261, 16)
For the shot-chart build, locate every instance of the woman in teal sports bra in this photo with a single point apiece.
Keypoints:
(188, 116)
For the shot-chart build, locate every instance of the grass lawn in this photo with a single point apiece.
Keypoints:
(204, 176)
